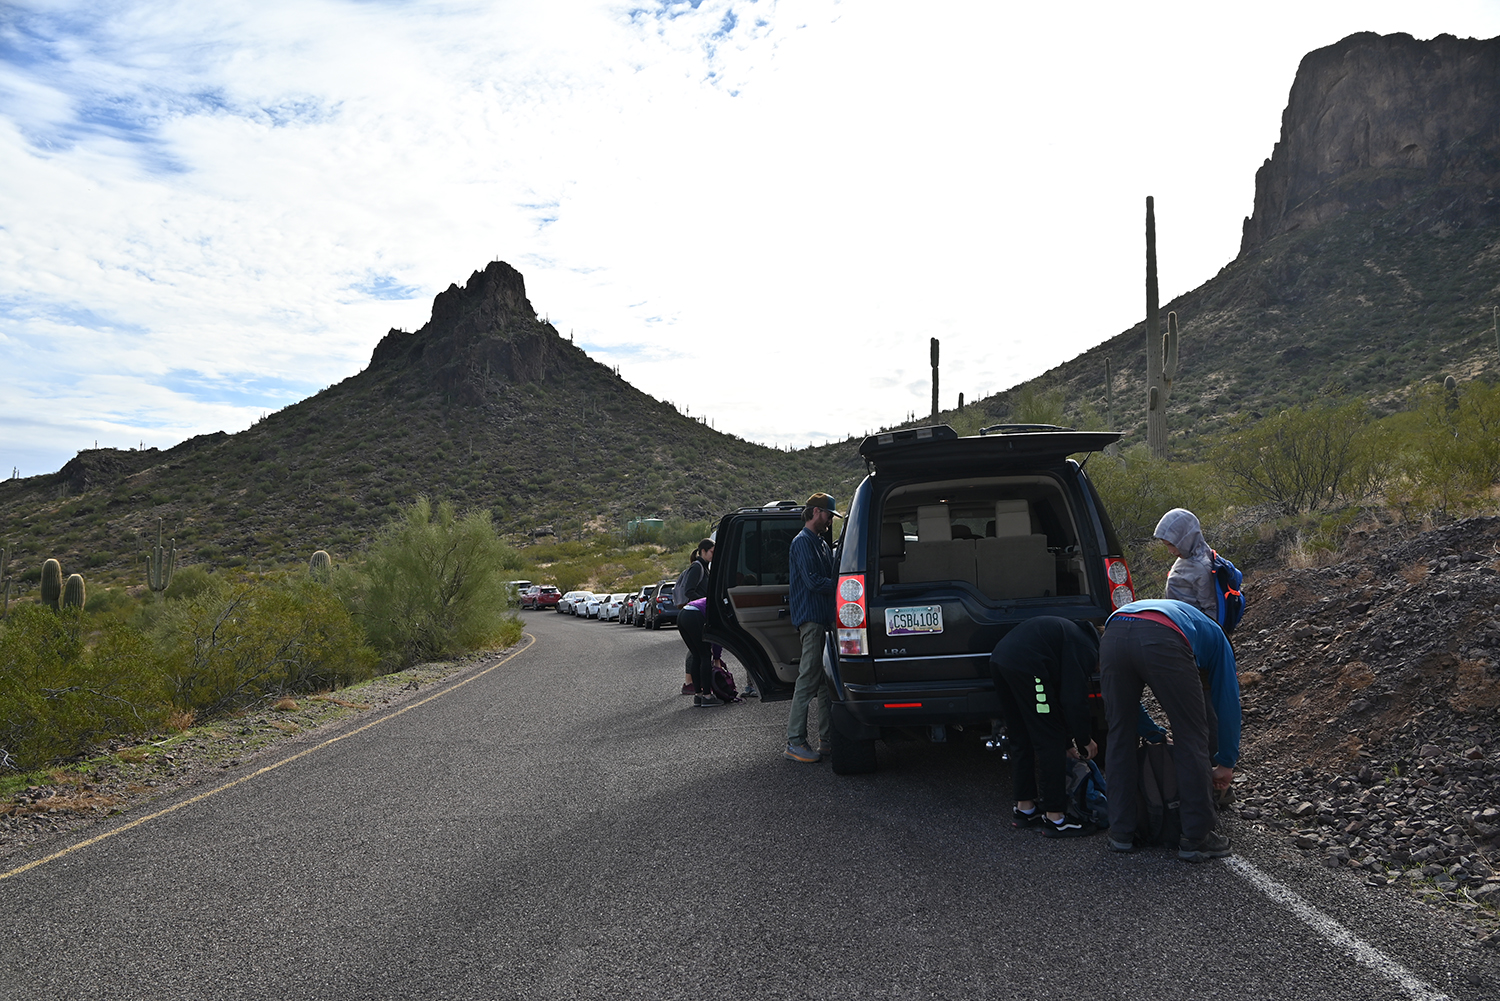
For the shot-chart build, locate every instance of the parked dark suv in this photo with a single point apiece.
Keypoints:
(949, 543)
(661, 610)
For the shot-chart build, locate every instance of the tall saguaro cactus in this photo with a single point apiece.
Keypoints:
(1161, 352)
(160, 563)
(5, 579)
(934, 379)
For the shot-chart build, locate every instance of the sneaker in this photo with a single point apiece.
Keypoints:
(802, 753)
(1019, 820)
(1122, 844)
(1211, 845)
(750, 692)
(688, 690)
(1066, 828)
(708, 700)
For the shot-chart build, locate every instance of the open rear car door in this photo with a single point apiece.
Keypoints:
(747, 611)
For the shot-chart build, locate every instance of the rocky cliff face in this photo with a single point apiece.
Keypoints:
(1378, 121)
(483, 334)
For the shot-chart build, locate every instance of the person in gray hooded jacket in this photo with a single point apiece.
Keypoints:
(1191, 578)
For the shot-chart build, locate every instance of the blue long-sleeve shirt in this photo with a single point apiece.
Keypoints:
(811, 569)
(1215, 658)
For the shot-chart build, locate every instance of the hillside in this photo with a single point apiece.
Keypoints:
(485, 406)
(1371, 260)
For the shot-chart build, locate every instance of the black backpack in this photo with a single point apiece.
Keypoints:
(680, 593)
(1159, 812)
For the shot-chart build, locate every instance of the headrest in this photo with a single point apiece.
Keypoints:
(933, 524)
(1012, 517)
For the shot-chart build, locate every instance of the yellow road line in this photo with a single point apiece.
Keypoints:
(531, 641)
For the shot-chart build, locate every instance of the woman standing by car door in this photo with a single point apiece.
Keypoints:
(693, 584)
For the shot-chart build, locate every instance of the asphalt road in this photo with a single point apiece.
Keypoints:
(567, 825)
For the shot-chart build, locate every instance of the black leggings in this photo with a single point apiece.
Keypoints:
(1039, 744)
(699, 658)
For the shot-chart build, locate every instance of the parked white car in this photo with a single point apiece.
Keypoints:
(610, 610)
(591, 605)
(570, 602)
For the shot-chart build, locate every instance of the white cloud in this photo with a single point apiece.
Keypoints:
(211, 209)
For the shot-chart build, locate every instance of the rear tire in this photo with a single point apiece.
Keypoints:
(850, 756)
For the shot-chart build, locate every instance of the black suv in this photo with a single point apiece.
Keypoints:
(948, 544)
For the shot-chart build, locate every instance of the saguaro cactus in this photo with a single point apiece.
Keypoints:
(1161, 352)
(5, 579)
(160, 563)
(934, 379)
(1109, 395)
(52, 582)
(73, 596)
(320, 566)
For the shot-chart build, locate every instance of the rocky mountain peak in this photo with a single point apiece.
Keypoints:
(1376, 121)
(479, 336)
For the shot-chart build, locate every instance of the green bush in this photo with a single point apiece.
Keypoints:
(59, 698)
(1453, 443)
(1304, 458)
(232, 643)
(437, 585)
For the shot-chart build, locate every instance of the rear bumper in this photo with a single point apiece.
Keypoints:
(920, 704)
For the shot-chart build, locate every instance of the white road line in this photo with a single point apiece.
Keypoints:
(1364, 952)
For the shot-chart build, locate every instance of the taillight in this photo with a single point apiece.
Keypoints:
(851, 615)
(1121, 589)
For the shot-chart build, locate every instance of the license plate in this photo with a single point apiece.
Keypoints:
(909, 621)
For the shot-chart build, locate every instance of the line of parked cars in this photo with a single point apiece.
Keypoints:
(650, 606)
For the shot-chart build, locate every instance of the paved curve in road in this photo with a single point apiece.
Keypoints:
(567, 826)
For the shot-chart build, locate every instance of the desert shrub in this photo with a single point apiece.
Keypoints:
(1452, 443)
(1305, 457)
(188, 582)
(59, 697)
(233, 643)
(437, 585)
(1033, 406)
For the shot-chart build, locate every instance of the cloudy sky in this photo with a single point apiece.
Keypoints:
(760, 211)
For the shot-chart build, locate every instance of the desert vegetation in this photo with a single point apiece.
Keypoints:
(133, 661)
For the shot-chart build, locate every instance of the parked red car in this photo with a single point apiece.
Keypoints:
(539, 596)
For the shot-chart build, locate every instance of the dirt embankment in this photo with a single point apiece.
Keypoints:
(1372, 711)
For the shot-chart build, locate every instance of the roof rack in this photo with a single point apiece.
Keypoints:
(1020, 428)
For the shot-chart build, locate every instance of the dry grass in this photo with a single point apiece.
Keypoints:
(338, 701)
(285, 704)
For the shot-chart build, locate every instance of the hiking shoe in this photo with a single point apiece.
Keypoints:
(750, 692)
(802, 753)
(708, 700)
(1211, 845)
(1019, 820)
(1066, 828)
(1122, 845)
(688, 690)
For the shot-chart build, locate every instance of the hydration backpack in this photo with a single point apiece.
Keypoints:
(1159, 810)
(1227, 582)
(1087, 794)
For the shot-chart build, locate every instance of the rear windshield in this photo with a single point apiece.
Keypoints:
(1013, 537)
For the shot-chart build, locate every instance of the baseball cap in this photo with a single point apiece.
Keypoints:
(825, 502)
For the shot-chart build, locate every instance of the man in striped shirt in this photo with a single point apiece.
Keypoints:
(810, 596)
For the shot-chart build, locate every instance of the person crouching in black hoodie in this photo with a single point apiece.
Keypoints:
(1041, 670)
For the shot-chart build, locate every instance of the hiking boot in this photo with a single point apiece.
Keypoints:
(802, 753)
(1211, 845)
(1066, 828)
(1019, 820)
(688, 690)
(708, 700)
(1122, 844)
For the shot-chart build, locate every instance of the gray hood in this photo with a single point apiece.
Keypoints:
(1180, 527)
